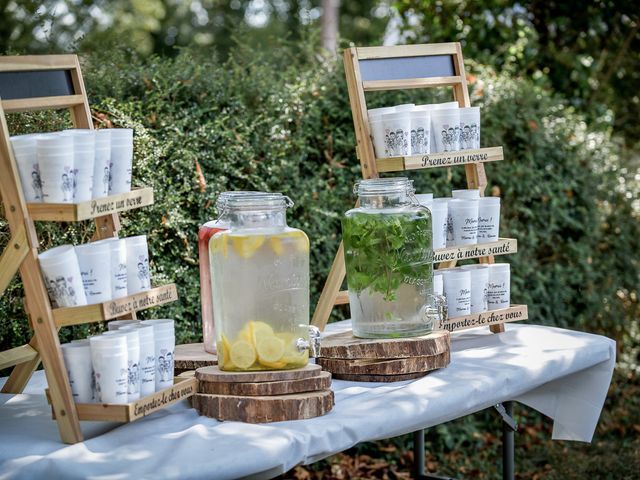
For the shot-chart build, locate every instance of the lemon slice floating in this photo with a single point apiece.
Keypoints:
(270, 349)
(219, 244)
(242, 354)
(260, 330)
(247, 245)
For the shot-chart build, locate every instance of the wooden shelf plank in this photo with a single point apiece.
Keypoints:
(17, 355)
(184, 387)
(409, 83)
(115, 308)
(42, 103)
(444, 159)
(502, 246)
(367, 53)
(75, 212)
(514, 313)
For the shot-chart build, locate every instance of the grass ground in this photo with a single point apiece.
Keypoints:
(470, 447)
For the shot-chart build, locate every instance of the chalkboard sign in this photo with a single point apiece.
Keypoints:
(34, 84)
(401, 68)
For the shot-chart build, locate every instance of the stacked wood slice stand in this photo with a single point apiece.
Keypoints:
(383, 360)
(191, 356)
(54, 82)
(262, 397)
(407, 67)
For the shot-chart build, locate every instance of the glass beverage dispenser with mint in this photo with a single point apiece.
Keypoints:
(260, 286)
(388, 256)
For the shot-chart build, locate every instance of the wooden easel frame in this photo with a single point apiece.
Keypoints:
(473, 160)
(21, 253)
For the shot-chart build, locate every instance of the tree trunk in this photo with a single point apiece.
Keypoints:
(330, 21)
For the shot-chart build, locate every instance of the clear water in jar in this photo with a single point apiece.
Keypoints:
(388, 259)
(261, 298)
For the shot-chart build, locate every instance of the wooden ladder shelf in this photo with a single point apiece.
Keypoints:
(51, 82)
(406, 67)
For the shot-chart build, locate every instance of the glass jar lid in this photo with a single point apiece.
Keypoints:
(221, 201)
(384, 186)
(261, 201)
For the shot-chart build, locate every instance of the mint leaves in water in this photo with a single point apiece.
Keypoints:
(383, 251)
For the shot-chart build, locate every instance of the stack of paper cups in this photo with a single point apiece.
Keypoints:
(420, 131)
(62, 276)
(488, 219)
(446, 129)
(133, 361)
(479, 287)
(464, 221)
(147, 365)
(377, 129)
(121, 160)
(469, 128)
(499, 291)
(457, 290)
(439, 222)
(95, 271)
(101, 167)
(118, 265)
(118, 324)
(397, 127)
(77, 360)
(56, 163)
(25, 152)
(84, 153)
(138, 276)
(165, 341)
(469, 194)
(109, 359)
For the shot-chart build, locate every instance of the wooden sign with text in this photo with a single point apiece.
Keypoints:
(443, 159)
(503, 246)
(514, 313)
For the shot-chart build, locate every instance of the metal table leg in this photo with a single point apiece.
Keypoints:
(419, 457)
(508, 445)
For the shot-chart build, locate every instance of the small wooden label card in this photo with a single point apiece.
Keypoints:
(485, 319)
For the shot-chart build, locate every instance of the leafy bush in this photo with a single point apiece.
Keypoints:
(282, 122)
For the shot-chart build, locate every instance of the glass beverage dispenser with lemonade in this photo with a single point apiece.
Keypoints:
(260, 285)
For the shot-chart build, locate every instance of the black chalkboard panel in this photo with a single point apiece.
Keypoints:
(33, 84)
(400, 68)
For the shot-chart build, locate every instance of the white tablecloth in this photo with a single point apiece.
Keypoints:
(564, 374)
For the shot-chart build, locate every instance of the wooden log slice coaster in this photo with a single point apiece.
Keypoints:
(213, 374)
(283, 387)
(279, 408)
(190, 356)
(346, 346)
(377, 378)
(397, 366)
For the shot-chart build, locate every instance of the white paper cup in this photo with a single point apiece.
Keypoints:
(121, 135)
(397, 127)
(457, 290)
(435, 106)
(165, 341)
(102, 164)
(377, 136)
(479, 287)
(469, 128)
(25, 152)
(445, 124)
(95, 271)
(133, 360)
(425, 199)
(57, 176)
(147, 363)
(420, 135)
(405, 107)
(109, 359)
(118, 324)
(471, 193)
(120, 168)
(438, 283)
(488, 219)
(55, 141)
(499, 291)
(118, 266)
(439, 222)
(84, 160)
(138, 275)
(62, 277)
(464, 221)
(77, 360)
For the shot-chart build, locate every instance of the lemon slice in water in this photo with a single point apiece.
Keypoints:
(242, 354)
(270, 349)
(247, 245)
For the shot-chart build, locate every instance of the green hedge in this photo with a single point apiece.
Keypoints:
(282, 122)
